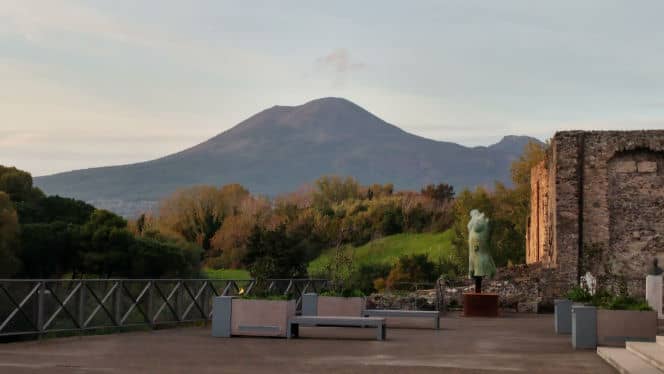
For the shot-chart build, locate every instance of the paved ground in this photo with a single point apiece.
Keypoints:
(513, 343)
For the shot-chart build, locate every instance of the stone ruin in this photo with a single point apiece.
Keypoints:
(597, 205)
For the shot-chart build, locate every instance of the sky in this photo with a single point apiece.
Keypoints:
(104, 82)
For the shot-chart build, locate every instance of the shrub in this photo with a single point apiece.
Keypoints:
(344, 293)
(579, 295)
(415, 268)
(365, 276)
(621, 302)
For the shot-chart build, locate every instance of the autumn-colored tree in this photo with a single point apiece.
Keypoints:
(197, 213)
(439, 192)
(533, 154)
(334, 189)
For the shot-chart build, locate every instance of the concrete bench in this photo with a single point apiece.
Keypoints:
(404, 313)
(295, 323)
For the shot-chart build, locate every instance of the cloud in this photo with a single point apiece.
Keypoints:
(340, 64)
(339, 61)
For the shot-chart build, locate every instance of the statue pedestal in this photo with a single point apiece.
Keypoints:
(654, 293)
(480, 304)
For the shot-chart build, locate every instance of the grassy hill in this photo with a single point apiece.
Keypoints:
(235, 274)
(388, 249)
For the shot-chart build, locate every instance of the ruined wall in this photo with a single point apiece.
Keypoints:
(537, 236)
(605, 206)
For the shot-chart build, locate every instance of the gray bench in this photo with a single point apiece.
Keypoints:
(295, 323)
(404, 313)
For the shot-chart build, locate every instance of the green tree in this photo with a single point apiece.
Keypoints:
(9, 231)
(18, 184)
(273, 254)
(415, 268)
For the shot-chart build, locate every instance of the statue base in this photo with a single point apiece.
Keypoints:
(480, 304)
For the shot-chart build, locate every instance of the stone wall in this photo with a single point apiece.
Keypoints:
(598, 205)
(537, 236)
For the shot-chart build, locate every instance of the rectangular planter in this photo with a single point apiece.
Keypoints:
(584, 327)
(249, 317)
(615, 327)
(316, 305)
(563, 316)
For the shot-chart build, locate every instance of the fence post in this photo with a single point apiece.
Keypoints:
(204, 300)
(40, 308)
(150, 307)
(81, 305)
(118, 304)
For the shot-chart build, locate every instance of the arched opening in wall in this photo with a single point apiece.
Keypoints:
(636, 213)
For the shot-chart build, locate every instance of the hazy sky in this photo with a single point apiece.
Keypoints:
(91, 83)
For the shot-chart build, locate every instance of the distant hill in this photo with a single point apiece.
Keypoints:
(283, 147)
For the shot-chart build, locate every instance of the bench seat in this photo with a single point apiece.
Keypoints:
(331, 321)
(404, 313)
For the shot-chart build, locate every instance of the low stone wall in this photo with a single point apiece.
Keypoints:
(415, 300)
(523, 288)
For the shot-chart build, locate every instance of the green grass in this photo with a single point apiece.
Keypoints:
(388, 249)
(239, 274)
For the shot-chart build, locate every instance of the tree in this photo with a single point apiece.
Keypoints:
(533, 154)
(333, 189)
(273, 254)
(9, 231)
(47, 249)
(441, 192)
(18, 184)
(197, 213)
(414, 268)
(54, 208)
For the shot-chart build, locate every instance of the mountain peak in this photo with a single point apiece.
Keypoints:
(284, 147)
(321, 118)
(513, 142)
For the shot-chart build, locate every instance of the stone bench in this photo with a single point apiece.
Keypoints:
(404, 313)
(315, 321)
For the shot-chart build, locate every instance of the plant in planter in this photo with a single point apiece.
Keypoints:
(623, 318)
(563, 308)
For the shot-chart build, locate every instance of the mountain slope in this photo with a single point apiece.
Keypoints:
(281, 148)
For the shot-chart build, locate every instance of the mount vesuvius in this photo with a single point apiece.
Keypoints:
(284, 147)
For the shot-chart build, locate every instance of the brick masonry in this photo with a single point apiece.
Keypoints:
(597, 204)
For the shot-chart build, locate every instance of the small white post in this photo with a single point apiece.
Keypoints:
(654, 290)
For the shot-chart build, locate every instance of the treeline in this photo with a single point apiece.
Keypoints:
(229, 228)
(50, 236)
(278, 237)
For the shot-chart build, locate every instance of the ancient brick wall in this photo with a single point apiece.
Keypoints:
(604, 211)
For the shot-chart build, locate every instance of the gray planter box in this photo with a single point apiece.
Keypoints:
(233, 316)
(584, 327)
(615, 327)
(315, 305)
(563, 316)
